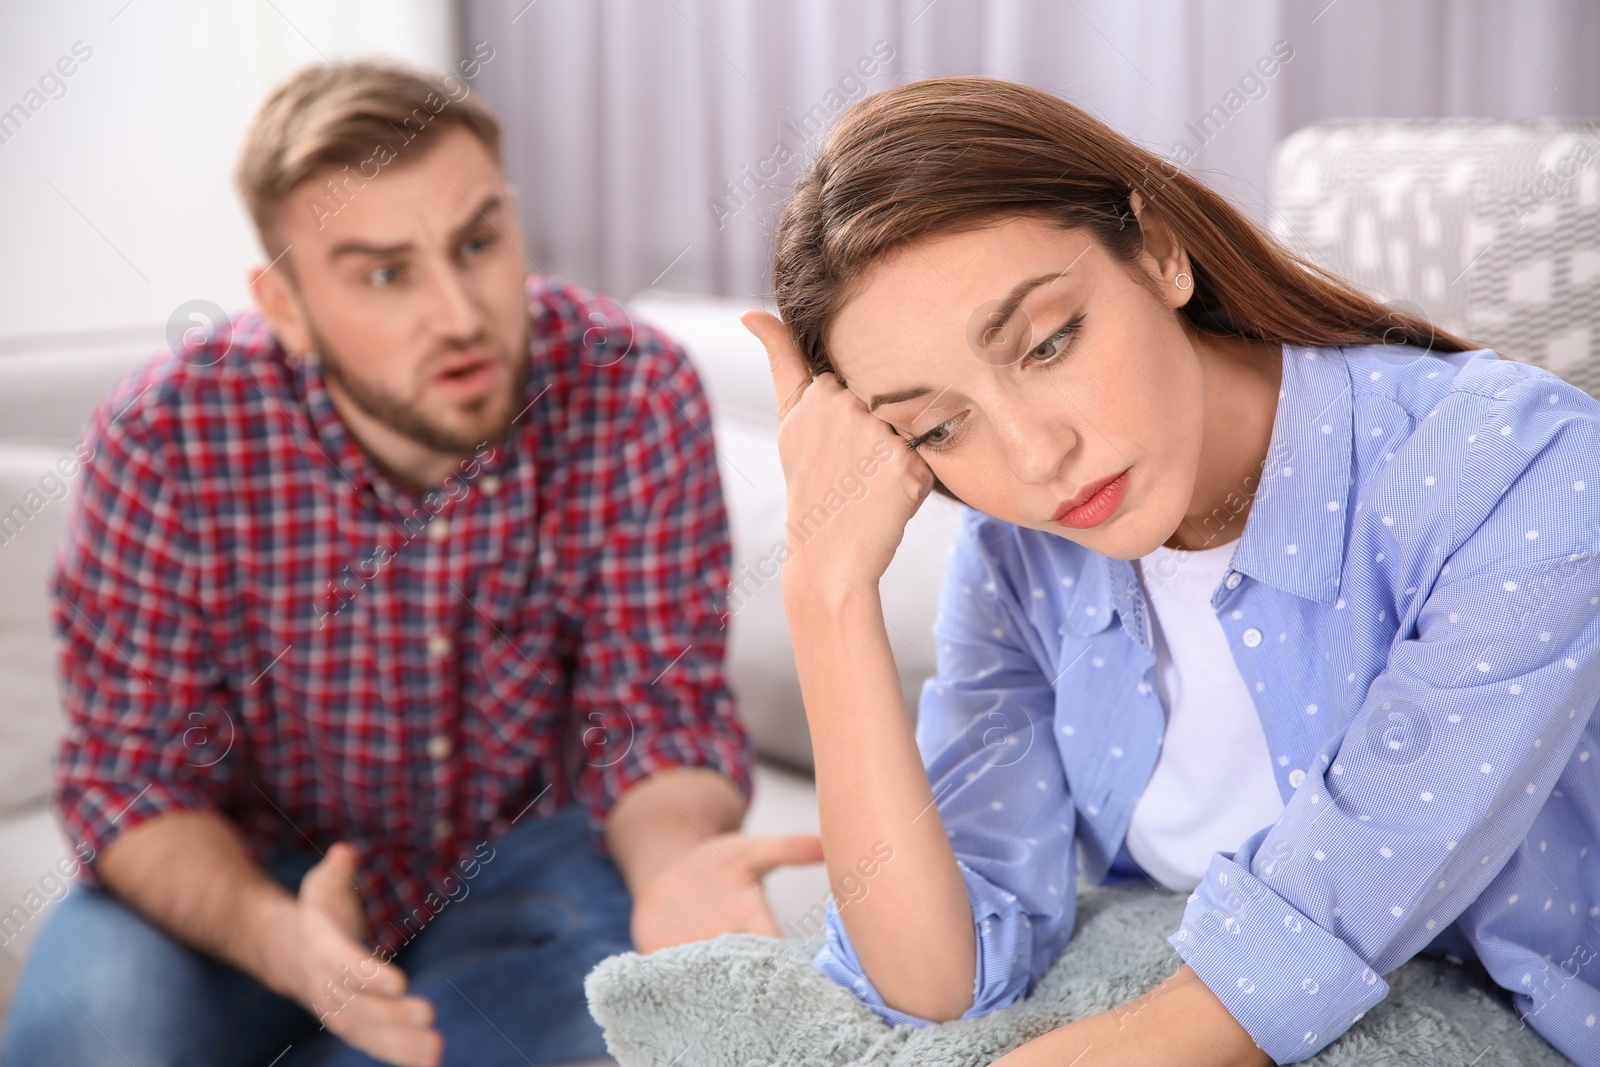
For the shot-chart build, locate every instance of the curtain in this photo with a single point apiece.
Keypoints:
(651, 141)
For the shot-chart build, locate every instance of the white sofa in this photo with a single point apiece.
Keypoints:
(1491, 227)
(46, 394)
(45, 397)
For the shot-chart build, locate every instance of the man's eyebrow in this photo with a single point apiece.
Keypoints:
(362, 248)
(479, 215)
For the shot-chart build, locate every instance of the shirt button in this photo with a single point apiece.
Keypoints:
(1296, 776)
(382, 490)
(439, 645)
(1252, 637)
(1233, 580)
(441, 829)
(490, 484)
(438, 529)
(438, 746)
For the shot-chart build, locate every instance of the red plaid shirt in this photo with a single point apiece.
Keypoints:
(256, 622)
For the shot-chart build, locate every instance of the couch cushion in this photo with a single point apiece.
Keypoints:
(35, 494)
(50, 386)
(740, 999)
(732, 365)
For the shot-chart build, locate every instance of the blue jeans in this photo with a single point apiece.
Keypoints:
(503, 966)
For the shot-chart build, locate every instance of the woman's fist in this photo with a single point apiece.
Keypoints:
(852, 485)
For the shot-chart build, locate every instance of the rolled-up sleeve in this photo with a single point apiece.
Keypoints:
(1413, 810)
(984, 731)
(650, 691)
(150, 721)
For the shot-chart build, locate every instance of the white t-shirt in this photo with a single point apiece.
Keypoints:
(1212, 785)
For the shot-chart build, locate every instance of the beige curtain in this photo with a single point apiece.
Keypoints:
(651, 139)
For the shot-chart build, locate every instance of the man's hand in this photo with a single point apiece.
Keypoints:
(350, 989)
(715, 888)
(690, 874)
(189, 873)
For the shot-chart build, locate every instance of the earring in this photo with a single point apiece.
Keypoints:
(1183, 281)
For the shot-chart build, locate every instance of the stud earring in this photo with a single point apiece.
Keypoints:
(1183, 281)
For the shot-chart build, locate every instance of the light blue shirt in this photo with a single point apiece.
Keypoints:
(1413, 606)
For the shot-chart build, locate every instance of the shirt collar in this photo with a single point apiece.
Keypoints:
(1103, 587)
(334, 440)
(1307, 469)
(1294, 538)
(329, 433)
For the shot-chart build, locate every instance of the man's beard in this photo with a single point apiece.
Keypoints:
(404, 418)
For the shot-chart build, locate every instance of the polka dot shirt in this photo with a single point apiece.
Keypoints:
(1415, 606)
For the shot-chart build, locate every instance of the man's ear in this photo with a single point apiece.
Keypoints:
(279, 302)
(1162, 259)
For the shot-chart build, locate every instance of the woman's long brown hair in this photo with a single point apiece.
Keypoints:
(950, 154)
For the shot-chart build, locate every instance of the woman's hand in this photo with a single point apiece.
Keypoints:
(852, 483)
(852, 486)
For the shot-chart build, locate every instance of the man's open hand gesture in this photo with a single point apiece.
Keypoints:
(348, 986)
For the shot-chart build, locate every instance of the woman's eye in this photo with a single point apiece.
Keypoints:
(1051, 347)
(935, 439)
(477, 244)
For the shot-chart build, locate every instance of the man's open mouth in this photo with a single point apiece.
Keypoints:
(466, 375)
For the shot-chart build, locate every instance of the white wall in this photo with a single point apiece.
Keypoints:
(116, 199)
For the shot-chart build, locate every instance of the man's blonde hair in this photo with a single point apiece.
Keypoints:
(359, 117)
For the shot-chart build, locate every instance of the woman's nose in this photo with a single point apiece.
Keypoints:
(1037, 446)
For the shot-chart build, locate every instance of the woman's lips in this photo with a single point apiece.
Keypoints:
(1100, 505)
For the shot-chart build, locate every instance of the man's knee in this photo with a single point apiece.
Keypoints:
(102, 985)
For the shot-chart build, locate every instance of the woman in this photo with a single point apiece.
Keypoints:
(1266, 592)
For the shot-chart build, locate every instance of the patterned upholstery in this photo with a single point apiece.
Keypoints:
(1489, 228)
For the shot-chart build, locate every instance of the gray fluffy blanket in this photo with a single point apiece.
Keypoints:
(739, 1000)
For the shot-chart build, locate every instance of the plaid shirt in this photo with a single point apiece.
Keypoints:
(256, 622)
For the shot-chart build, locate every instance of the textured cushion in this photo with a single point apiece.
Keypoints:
(740, 999)
(1489, 228)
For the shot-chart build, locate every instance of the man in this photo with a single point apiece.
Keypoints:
(391, 643)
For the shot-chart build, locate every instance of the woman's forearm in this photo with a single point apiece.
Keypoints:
(1179, 1023)
(912, 929)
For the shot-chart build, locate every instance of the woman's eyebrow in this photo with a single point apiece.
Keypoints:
(1019, 292)
(1008, 307)
(895, 398)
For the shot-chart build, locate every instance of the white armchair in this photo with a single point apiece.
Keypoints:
(1490, 228)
